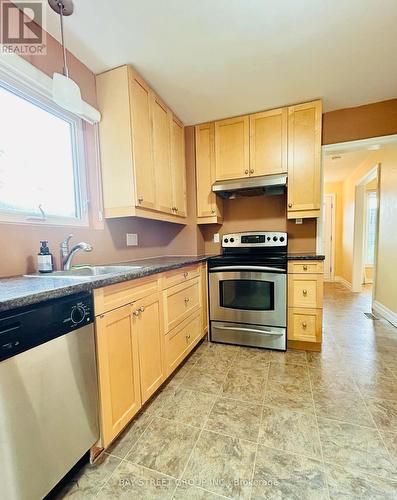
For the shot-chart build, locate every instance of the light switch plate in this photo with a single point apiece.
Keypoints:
(132, 240)
(216, 238)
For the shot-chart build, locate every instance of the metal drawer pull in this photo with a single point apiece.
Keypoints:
(305, 268)
(142, 309)
(136, 312)
(251, 171)
(246, 268)
(140, 200)
(251, 330)
(246, 171)
(185, 275)
(304, 324)
(186, 300)
(213, 211)
(304, 292)
(188, 336)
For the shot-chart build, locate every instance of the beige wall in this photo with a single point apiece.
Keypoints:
(262, 213)
(336, 188)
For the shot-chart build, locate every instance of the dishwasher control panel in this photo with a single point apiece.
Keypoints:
(27, 327)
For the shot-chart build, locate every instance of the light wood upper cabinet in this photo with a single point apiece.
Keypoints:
(118, 371)
(178, 167)
(162, 155)
(140, 109)
(148, 322)
(208, 204)
(142, 150)
(232, 148)
(304, 159)
(268, 142)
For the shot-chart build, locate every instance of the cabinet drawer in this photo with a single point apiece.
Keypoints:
(113, 296)
(306, 266)
(180, 341)
(304, 324)
(180, 301)
(176, 276)
(305, 290)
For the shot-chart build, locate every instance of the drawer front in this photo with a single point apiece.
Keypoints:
(306, 266)
(113, 296)
(176, 276)
(180, 341)
(305, 291)
(304, 324)
(180, 301)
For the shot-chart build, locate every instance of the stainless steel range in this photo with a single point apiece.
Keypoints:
(248, 290)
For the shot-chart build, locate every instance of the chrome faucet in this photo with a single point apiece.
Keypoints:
(66, 255)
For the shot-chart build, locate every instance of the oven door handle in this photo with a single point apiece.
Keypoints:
(251, 330)
(246, 268)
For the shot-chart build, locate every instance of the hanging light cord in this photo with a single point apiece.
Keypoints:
(65, 66)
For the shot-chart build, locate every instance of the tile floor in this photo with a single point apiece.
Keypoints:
(244, 423)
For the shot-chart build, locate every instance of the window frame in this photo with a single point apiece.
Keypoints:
(32, 92)
(369, 194)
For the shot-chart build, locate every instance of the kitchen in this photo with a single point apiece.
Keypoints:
(185, 315)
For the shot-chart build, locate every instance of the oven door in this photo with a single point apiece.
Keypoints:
(248, 296)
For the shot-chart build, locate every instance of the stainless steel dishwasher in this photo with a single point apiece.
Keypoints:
(48, 394)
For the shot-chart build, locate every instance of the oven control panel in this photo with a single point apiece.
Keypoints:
(255, 239)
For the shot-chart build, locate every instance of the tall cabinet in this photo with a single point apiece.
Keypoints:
(142, 150)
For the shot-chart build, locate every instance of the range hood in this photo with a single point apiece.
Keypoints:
(267, 185)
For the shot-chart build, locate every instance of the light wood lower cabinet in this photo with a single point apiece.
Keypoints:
(144, 330)
(305, 303)
(118, 371)
(148, 321)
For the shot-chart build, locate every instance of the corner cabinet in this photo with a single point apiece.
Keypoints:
(142, 157)
(209, 206)
(304, 160)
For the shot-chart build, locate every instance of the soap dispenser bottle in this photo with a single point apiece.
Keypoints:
(44, 258)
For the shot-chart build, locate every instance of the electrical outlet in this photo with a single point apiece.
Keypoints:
(216, 238)
(132, 240)
(298, 221)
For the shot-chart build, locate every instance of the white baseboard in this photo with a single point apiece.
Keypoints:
(384, 312)
(343, 282)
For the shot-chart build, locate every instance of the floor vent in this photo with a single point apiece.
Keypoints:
(371, 316)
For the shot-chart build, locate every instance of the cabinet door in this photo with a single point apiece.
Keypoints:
(162, 156)
(140, 102)
(148, 321)
(232, 148)
(268, 142)
(178, 167)
(205, 170)
(118, 371)
(305, 325)
(304, 159)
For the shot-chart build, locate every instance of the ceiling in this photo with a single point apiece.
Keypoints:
(216, 58)
(338, 166)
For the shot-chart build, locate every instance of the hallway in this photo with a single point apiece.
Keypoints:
(245, 423)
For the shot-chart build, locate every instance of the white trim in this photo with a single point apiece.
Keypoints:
(384, 312)
(333, 235)
(342, 281)
(371, 144)
(26, 73)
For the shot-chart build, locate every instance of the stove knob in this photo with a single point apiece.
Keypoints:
(268, 238)
(275, 238)
(282, 238)
(225, 240)
(231, 240)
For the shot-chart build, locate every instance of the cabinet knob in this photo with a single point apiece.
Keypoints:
(140, 200)
(289, 205)
(176, 209)
(304, 292)
(251, 171)
(213, 211)
(304, 324)
(246, 172)
(186, 300)
(188, 337)
(185, 275)
(305, 267)
(136, 312)
(142, 309)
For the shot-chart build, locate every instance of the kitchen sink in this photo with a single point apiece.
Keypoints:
(86, 272)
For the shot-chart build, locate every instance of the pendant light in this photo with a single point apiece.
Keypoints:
(65, 91)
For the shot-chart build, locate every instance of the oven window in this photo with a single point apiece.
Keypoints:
(253, 295)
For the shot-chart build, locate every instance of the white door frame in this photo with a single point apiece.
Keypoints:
(333, 235)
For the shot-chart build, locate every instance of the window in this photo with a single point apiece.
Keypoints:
(42, 178)
(371, 228)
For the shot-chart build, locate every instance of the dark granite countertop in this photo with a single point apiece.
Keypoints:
(305, 256)
(21, 290)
